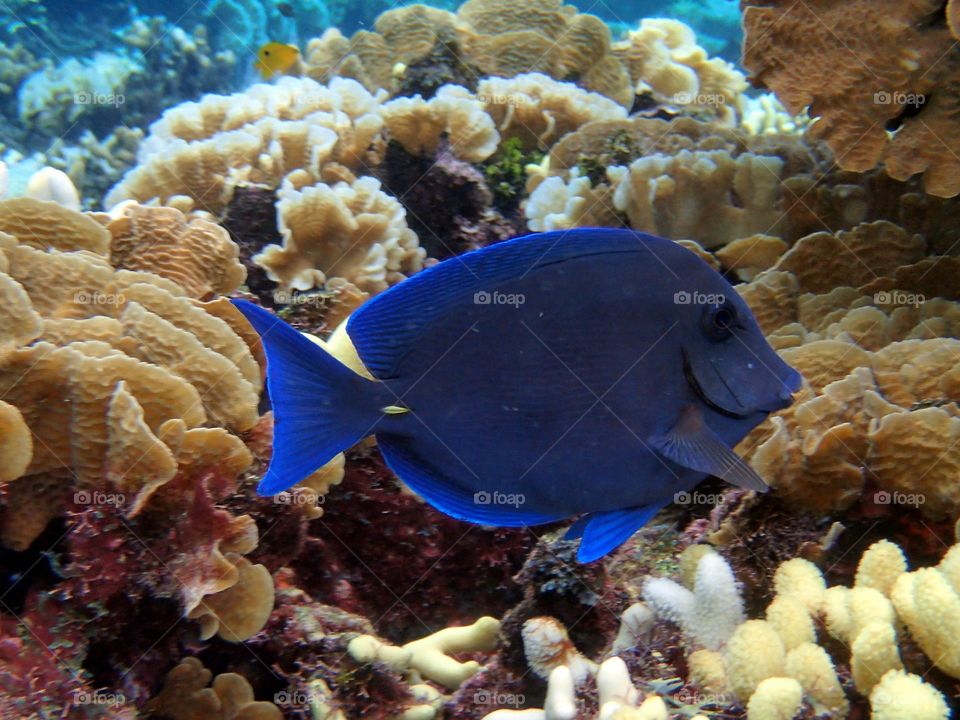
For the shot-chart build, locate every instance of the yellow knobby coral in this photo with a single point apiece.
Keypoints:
(753, 654)
(774, 699)
(904, 696)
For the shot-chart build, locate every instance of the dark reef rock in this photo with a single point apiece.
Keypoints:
(383, 553)
(579, 596)
(448, 202)
(444, 65)
(251, 220)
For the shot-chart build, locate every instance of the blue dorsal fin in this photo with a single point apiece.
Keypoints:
(384, 327)
(692, 444)
(445, 496)
(320, 406)
(606, 531)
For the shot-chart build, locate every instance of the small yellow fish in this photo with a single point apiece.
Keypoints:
(275, 58)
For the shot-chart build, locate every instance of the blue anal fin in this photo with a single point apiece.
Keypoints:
(482, 507)
(606, 531)
(575, 531)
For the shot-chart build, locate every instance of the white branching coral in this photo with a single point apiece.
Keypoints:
(710, 612)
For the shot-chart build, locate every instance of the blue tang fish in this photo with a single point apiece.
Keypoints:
(593, 372)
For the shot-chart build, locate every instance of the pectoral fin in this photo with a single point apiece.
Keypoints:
(692, 444)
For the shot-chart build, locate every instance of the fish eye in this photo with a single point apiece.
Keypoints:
(719, 320)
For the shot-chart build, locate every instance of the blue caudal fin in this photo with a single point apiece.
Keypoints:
(608, 530)
(320, 406)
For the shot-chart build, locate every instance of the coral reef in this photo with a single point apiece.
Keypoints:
(114, 373)
(141, 575)
(496, 38)
(869, 104)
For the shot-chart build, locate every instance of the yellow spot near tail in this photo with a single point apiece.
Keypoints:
(394, 410)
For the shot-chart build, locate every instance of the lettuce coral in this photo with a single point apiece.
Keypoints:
(125, 431)
(185, 696)
(505, 39)
(356, 232)
(857, 67)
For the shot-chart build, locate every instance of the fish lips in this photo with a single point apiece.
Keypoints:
(712, 387)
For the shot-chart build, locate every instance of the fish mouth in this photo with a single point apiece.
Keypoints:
(706, 399)
(734, 407)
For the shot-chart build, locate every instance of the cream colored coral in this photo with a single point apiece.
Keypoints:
(880, 566)
(904, 696)
(687, 195)
(203, 150)
(810, 665)
(874, 652)
(453, 113)
(53, 185)
(662, 57)
(199, 256)
(16, 443)
(802, 580)
(754, 653)
(775, 698)
(558, 204)
(546, 645)
(708, 670)
(791, 619)
(928, 604)
(240, 611)
(356, 232)
(539, 110)
(431, 656)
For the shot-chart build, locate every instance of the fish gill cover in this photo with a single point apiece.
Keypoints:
(785, 195)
